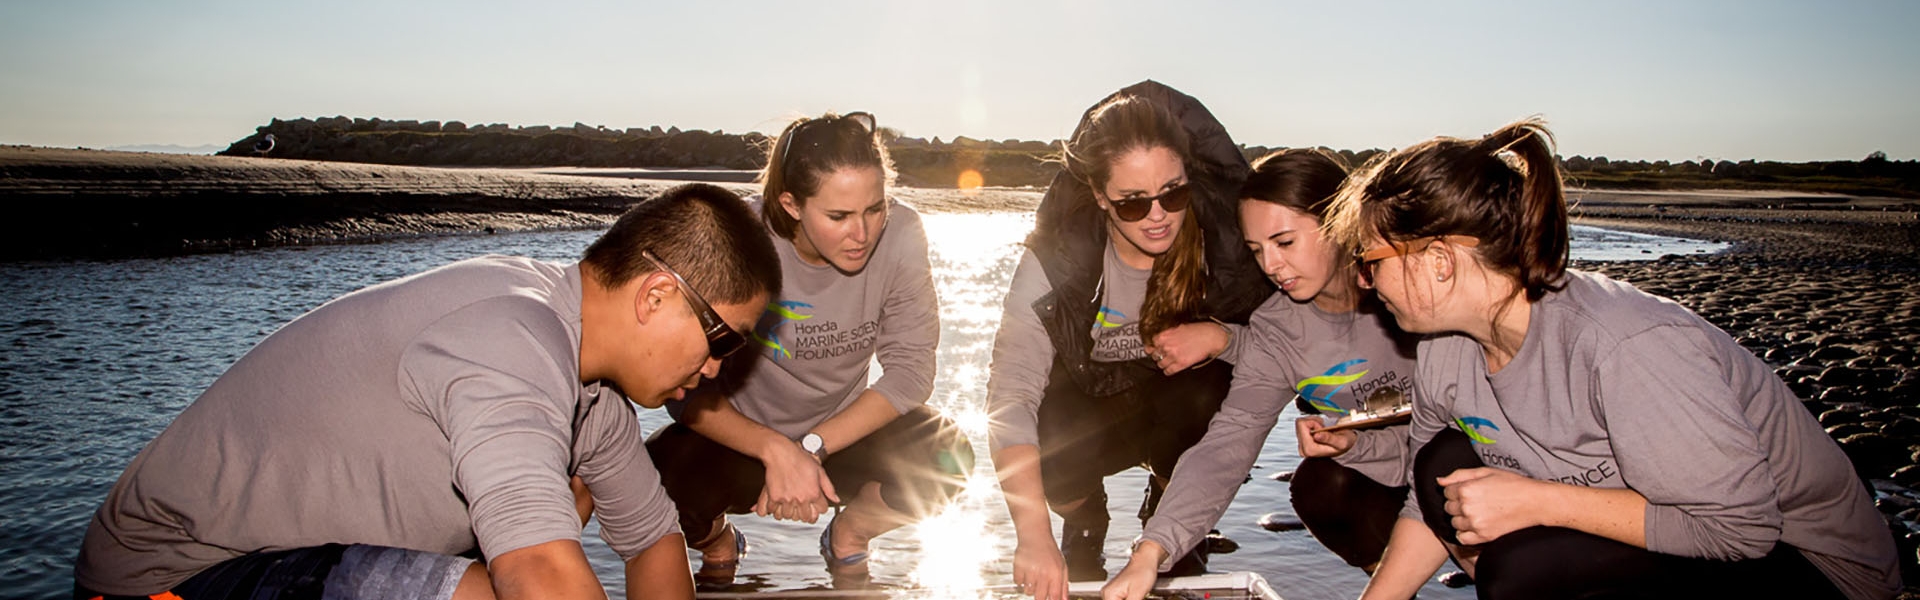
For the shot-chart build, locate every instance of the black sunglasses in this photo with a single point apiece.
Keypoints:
(863, 120)
(1134, 209)
(722, 340)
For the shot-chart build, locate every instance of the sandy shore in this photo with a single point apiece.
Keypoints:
(1822, 286)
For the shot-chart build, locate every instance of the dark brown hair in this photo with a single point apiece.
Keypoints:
(704, 231)
(1504, 189)
(1303, 179)
(808, 151)
(1177, 286)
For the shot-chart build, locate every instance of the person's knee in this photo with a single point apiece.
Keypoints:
(1318, 486)
(1446, 452)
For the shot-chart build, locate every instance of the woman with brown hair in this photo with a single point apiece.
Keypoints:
(804, 428)
(1103, 358)
(1323, 341)
(1576, 436)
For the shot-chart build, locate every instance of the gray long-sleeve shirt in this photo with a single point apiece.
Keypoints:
(1615, 388)
(1335, 360)
(439, 412)
(815, 343)
(1023, 356)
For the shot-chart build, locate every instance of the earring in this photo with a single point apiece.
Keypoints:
(1440, 278)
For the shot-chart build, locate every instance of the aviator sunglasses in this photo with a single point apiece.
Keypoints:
(722, 340)
(1136, 208)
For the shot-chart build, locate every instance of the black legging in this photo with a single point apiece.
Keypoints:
(1350, 513)
(920, 459)
(1554, 562)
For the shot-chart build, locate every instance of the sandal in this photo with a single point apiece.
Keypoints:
(718, 574)
(850, 571)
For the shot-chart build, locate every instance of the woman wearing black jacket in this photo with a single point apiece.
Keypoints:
(1104, 358)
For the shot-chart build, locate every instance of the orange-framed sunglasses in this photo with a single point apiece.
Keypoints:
(1365, 261)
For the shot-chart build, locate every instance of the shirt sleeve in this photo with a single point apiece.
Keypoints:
(1210, 473)
(909, 318)
(1381, 454)
(1022, 360)
(633, 509)
(497, 377)
(1235, 333)
(1684, 443)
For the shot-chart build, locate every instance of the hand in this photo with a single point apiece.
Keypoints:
(1040, 570)
(1315, 443)
(797, 486)
(1182, 347)
(1487, 503)
(1137, 578)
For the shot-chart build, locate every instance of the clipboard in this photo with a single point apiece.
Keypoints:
(1391, 419)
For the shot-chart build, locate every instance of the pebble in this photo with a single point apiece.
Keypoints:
(1456, 579)
(1281, 522)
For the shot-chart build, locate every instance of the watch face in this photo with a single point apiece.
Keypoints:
(812, 442)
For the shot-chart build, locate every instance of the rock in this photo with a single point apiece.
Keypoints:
(1909, 476)
(1906, 428)
(1842, 395)
(1841, 376)
(1873, 454)
(1834, 353)
(1218, 543)
(1282, 476)
(1456, 579)
(1280, 522)
(1840, 416)
(1847, 429)
(1894, 503)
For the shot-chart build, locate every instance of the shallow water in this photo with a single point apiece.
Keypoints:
(100, 355)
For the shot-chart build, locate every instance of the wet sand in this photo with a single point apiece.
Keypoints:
(1821, 286)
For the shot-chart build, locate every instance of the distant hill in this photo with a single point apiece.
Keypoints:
(937, 164)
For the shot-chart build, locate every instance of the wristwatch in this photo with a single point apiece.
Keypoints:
(813, 444)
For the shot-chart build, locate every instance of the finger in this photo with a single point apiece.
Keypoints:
(1453, 507)
(1464, 475)
(826, 487)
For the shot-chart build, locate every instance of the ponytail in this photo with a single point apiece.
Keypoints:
(1543, 242)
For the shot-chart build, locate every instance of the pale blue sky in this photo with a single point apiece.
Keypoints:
(1624, 79)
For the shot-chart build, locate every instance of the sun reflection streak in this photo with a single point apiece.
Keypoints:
(957, 546)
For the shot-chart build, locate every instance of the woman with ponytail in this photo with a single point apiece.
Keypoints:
(1104, 358)
(804, 429)
(1574, 436)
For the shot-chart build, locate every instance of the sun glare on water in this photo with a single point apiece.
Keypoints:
(956, 547)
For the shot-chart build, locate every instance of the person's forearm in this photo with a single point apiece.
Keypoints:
(1019, 470)
(556, 569)
(1615, 514)
(660, 572)
(1413, 554)
(717, 419)
(867, 414)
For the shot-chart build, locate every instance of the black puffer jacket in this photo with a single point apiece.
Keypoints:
(1070, 236)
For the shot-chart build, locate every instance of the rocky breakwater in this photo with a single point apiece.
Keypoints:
(1830, 298)
(87, 203)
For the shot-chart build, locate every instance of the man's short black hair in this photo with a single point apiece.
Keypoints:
(704, 232)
